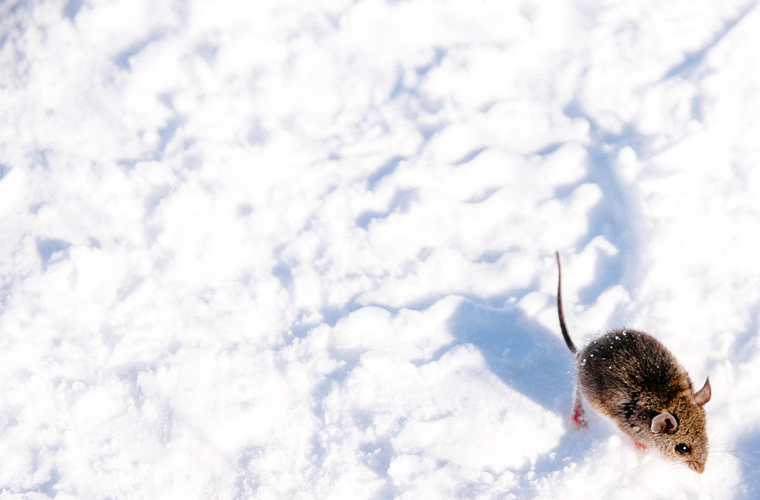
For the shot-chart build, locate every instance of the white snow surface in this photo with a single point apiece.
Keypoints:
(305, 249)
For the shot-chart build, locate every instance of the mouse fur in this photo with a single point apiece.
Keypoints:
(636, 381)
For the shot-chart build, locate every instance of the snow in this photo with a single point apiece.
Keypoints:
(284, 249)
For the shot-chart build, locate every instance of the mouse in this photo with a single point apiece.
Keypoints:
(632, 378)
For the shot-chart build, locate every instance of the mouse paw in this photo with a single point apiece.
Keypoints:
(639, 446)
(578, 416)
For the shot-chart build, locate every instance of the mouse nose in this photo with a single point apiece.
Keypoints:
(696, 466)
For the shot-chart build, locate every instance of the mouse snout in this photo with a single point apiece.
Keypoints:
(697, 467)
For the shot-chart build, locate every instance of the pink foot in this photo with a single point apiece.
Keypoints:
(639, 446)
(579, 415)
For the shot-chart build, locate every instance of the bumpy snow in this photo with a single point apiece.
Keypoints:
(305, 249)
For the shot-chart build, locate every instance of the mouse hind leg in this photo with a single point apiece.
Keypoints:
(578, 417)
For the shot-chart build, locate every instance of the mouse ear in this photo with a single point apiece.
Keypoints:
(703, 395)
(664, 422)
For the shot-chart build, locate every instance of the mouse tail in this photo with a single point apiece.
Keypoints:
(562, 326)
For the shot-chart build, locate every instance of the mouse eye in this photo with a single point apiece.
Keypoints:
(682, 449)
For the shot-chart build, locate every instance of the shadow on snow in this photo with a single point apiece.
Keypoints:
(522, 353)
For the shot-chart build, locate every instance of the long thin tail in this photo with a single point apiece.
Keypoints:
(568, 341)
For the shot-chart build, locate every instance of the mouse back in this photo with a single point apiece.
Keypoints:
(623, 362)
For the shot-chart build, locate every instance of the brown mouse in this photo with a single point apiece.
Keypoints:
(637, 382)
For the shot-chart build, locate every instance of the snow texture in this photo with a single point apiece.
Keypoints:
(305, 249)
